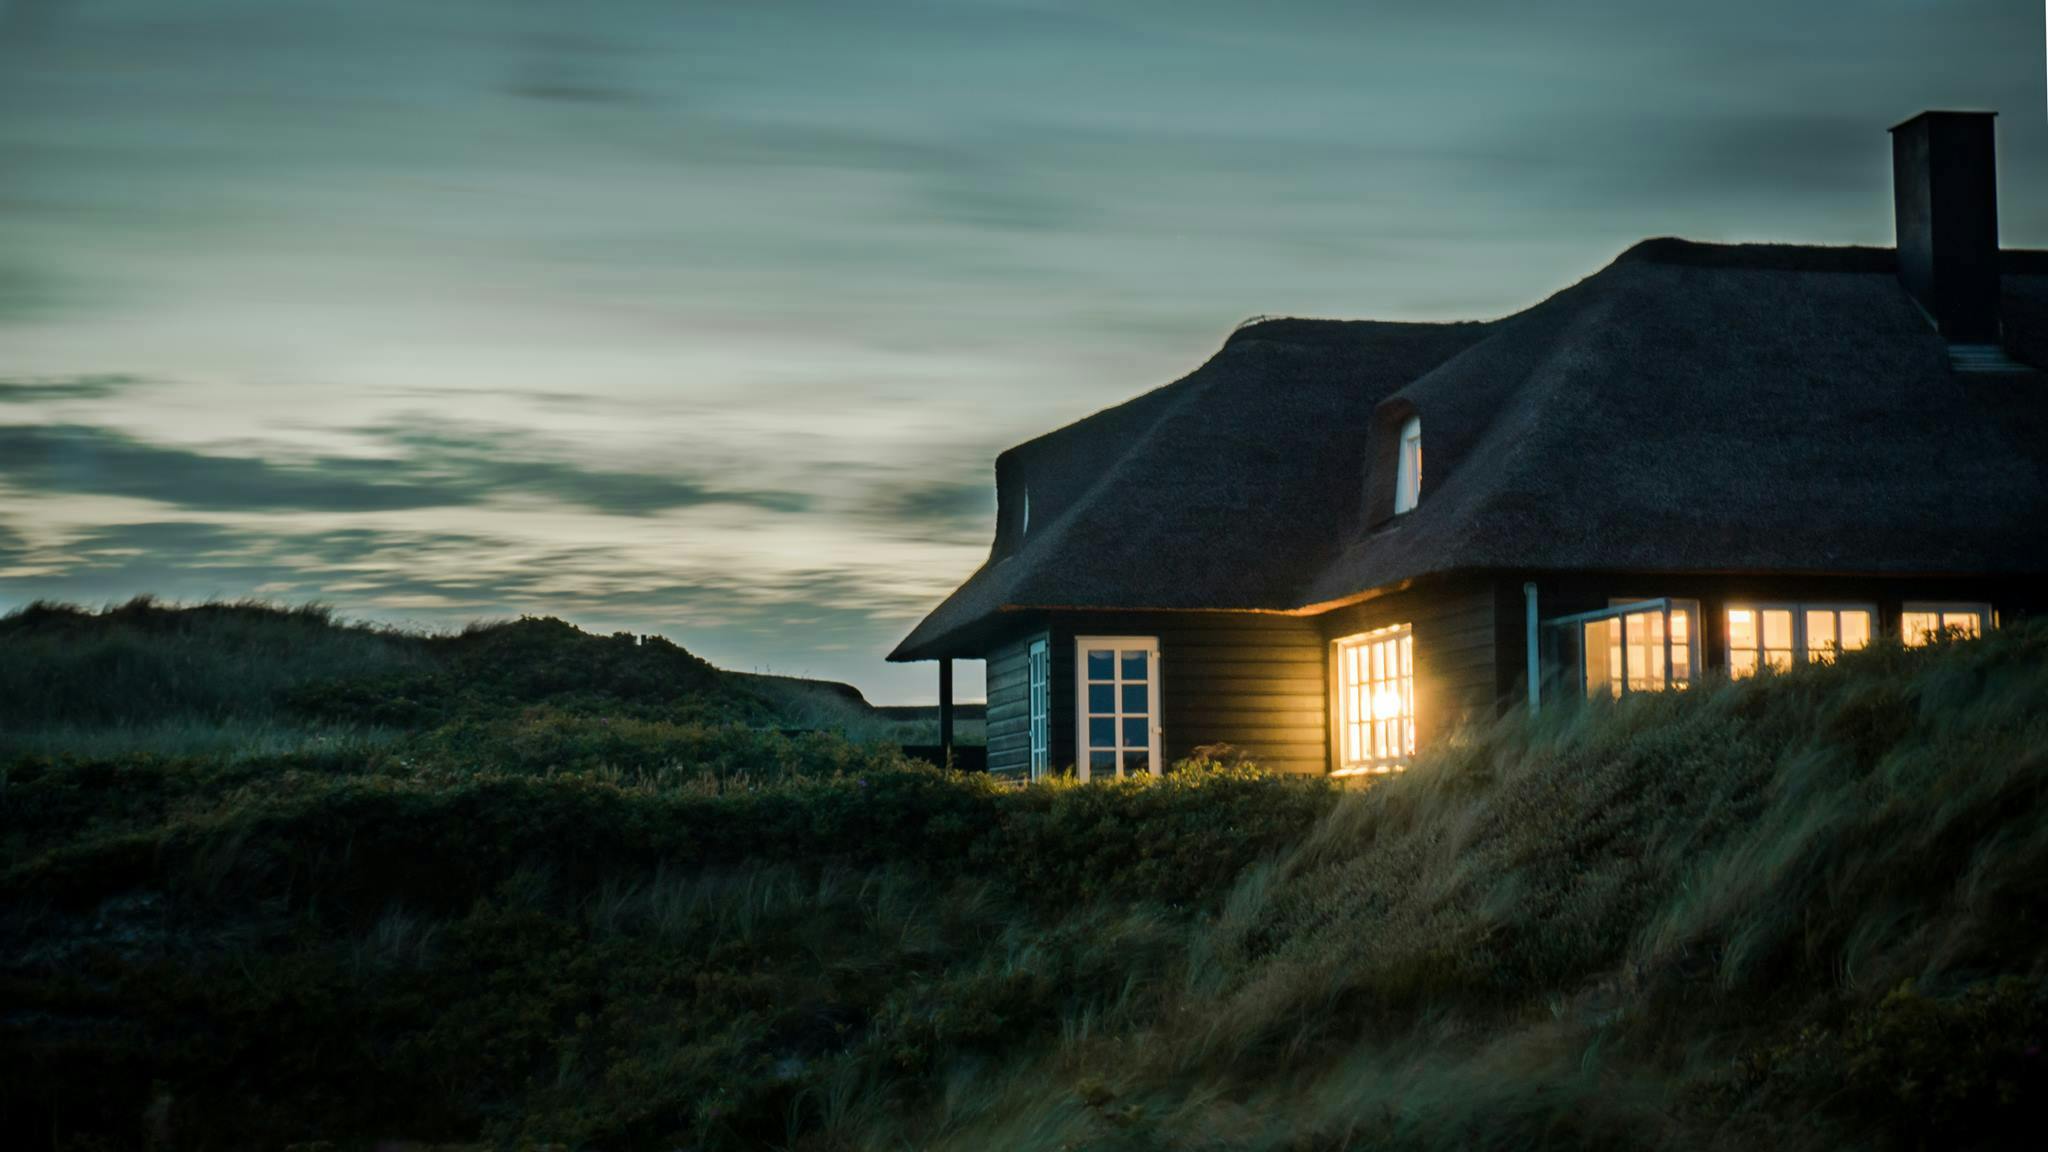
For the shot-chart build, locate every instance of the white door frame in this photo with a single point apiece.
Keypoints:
(1150, 645)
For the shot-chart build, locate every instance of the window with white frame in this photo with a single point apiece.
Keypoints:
(1777, 636)
(1639, 646)
(1408, 467)
(1924, 623)
(1039, 662)
(1375, 680)
(1116, 706)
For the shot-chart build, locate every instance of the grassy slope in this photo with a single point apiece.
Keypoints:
(249, 679)
(1797, 913)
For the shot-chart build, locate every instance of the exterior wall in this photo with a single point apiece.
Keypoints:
(1568, 593)
(1251, 680)
(1009, 706)
(1454, 624)
(1261, 682)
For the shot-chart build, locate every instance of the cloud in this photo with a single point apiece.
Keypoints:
(433, 470)
(936, 509)
(97, 386)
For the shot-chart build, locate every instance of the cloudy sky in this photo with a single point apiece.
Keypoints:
(707, 318)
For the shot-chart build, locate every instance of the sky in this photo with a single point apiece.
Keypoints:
(707, 319)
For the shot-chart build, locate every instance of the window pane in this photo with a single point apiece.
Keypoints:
(1101, 732)
(1135, 698)
(1134, 665)
(1918, 628)
(1101, 760)
(1778, 659)
(1960, 623)
(1645, 651)
(1602, 659)
(1778, 628)
(1102, 697)
(1135, 732)
(1101, 664)
(1855, 630)
(1741, 663)
(1821, 641)
(1137, 763)
(1375, 697)
(1741, 628)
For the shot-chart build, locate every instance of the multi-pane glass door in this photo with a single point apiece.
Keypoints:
(1040, 667)
(1117, 719)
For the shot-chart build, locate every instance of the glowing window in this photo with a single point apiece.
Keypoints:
(1926, 623)
(1376, 699)
(1040, 664)
(1644, 651)
(1777, 636)
(1832, 631)
(1408, 471)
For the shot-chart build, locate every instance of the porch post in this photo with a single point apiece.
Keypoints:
(946, 712)
(1532, 638)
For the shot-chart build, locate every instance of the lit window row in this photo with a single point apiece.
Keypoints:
(1778, 636)
(1657, 648)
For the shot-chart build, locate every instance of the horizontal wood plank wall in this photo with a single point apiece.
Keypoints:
(1455, 628)
(1250, 680)
(1009, 707)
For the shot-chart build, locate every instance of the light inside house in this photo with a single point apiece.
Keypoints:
(1376, 699)
(1779, 636)
(1923, 624)
(1645, 651)
(1408, 471)
(1832, 631)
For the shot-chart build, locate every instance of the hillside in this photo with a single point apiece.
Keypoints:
(243, 679)
(1801, 912)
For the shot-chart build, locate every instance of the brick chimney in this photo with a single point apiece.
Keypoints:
(1945, 197)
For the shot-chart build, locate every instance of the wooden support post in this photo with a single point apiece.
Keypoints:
(946, 712)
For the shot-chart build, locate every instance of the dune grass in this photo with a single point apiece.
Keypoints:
(146, 678)
(1799, 912)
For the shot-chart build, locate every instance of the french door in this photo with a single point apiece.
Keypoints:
(1116, 722)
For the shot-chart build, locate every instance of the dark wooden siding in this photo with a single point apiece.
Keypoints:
(1454, 624)
(1009, 707)
(1250, 680)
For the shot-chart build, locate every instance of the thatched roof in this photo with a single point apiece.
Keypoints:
(1690, 407)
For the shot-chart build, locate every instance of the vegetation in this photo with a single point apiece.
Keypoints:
(251, 680)
(1804, 912)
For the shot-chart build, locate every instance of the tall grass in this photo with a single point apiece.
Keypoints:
(1805, 912)
(249, 678)
(140, 665)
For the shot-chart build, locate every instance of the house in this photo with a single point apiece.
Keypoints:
(1336, 541)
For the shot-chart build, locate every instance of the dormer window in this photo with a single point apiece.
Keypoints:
(1408, 469)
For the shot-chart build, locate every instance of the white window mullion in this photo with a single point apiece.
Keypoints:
(1114, 727)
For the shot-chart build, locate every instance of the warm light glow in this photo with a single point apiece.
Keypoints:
(1376, 699)
(1635, 653)
(1779, 636)
(1922, 624)
(1832, 631)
